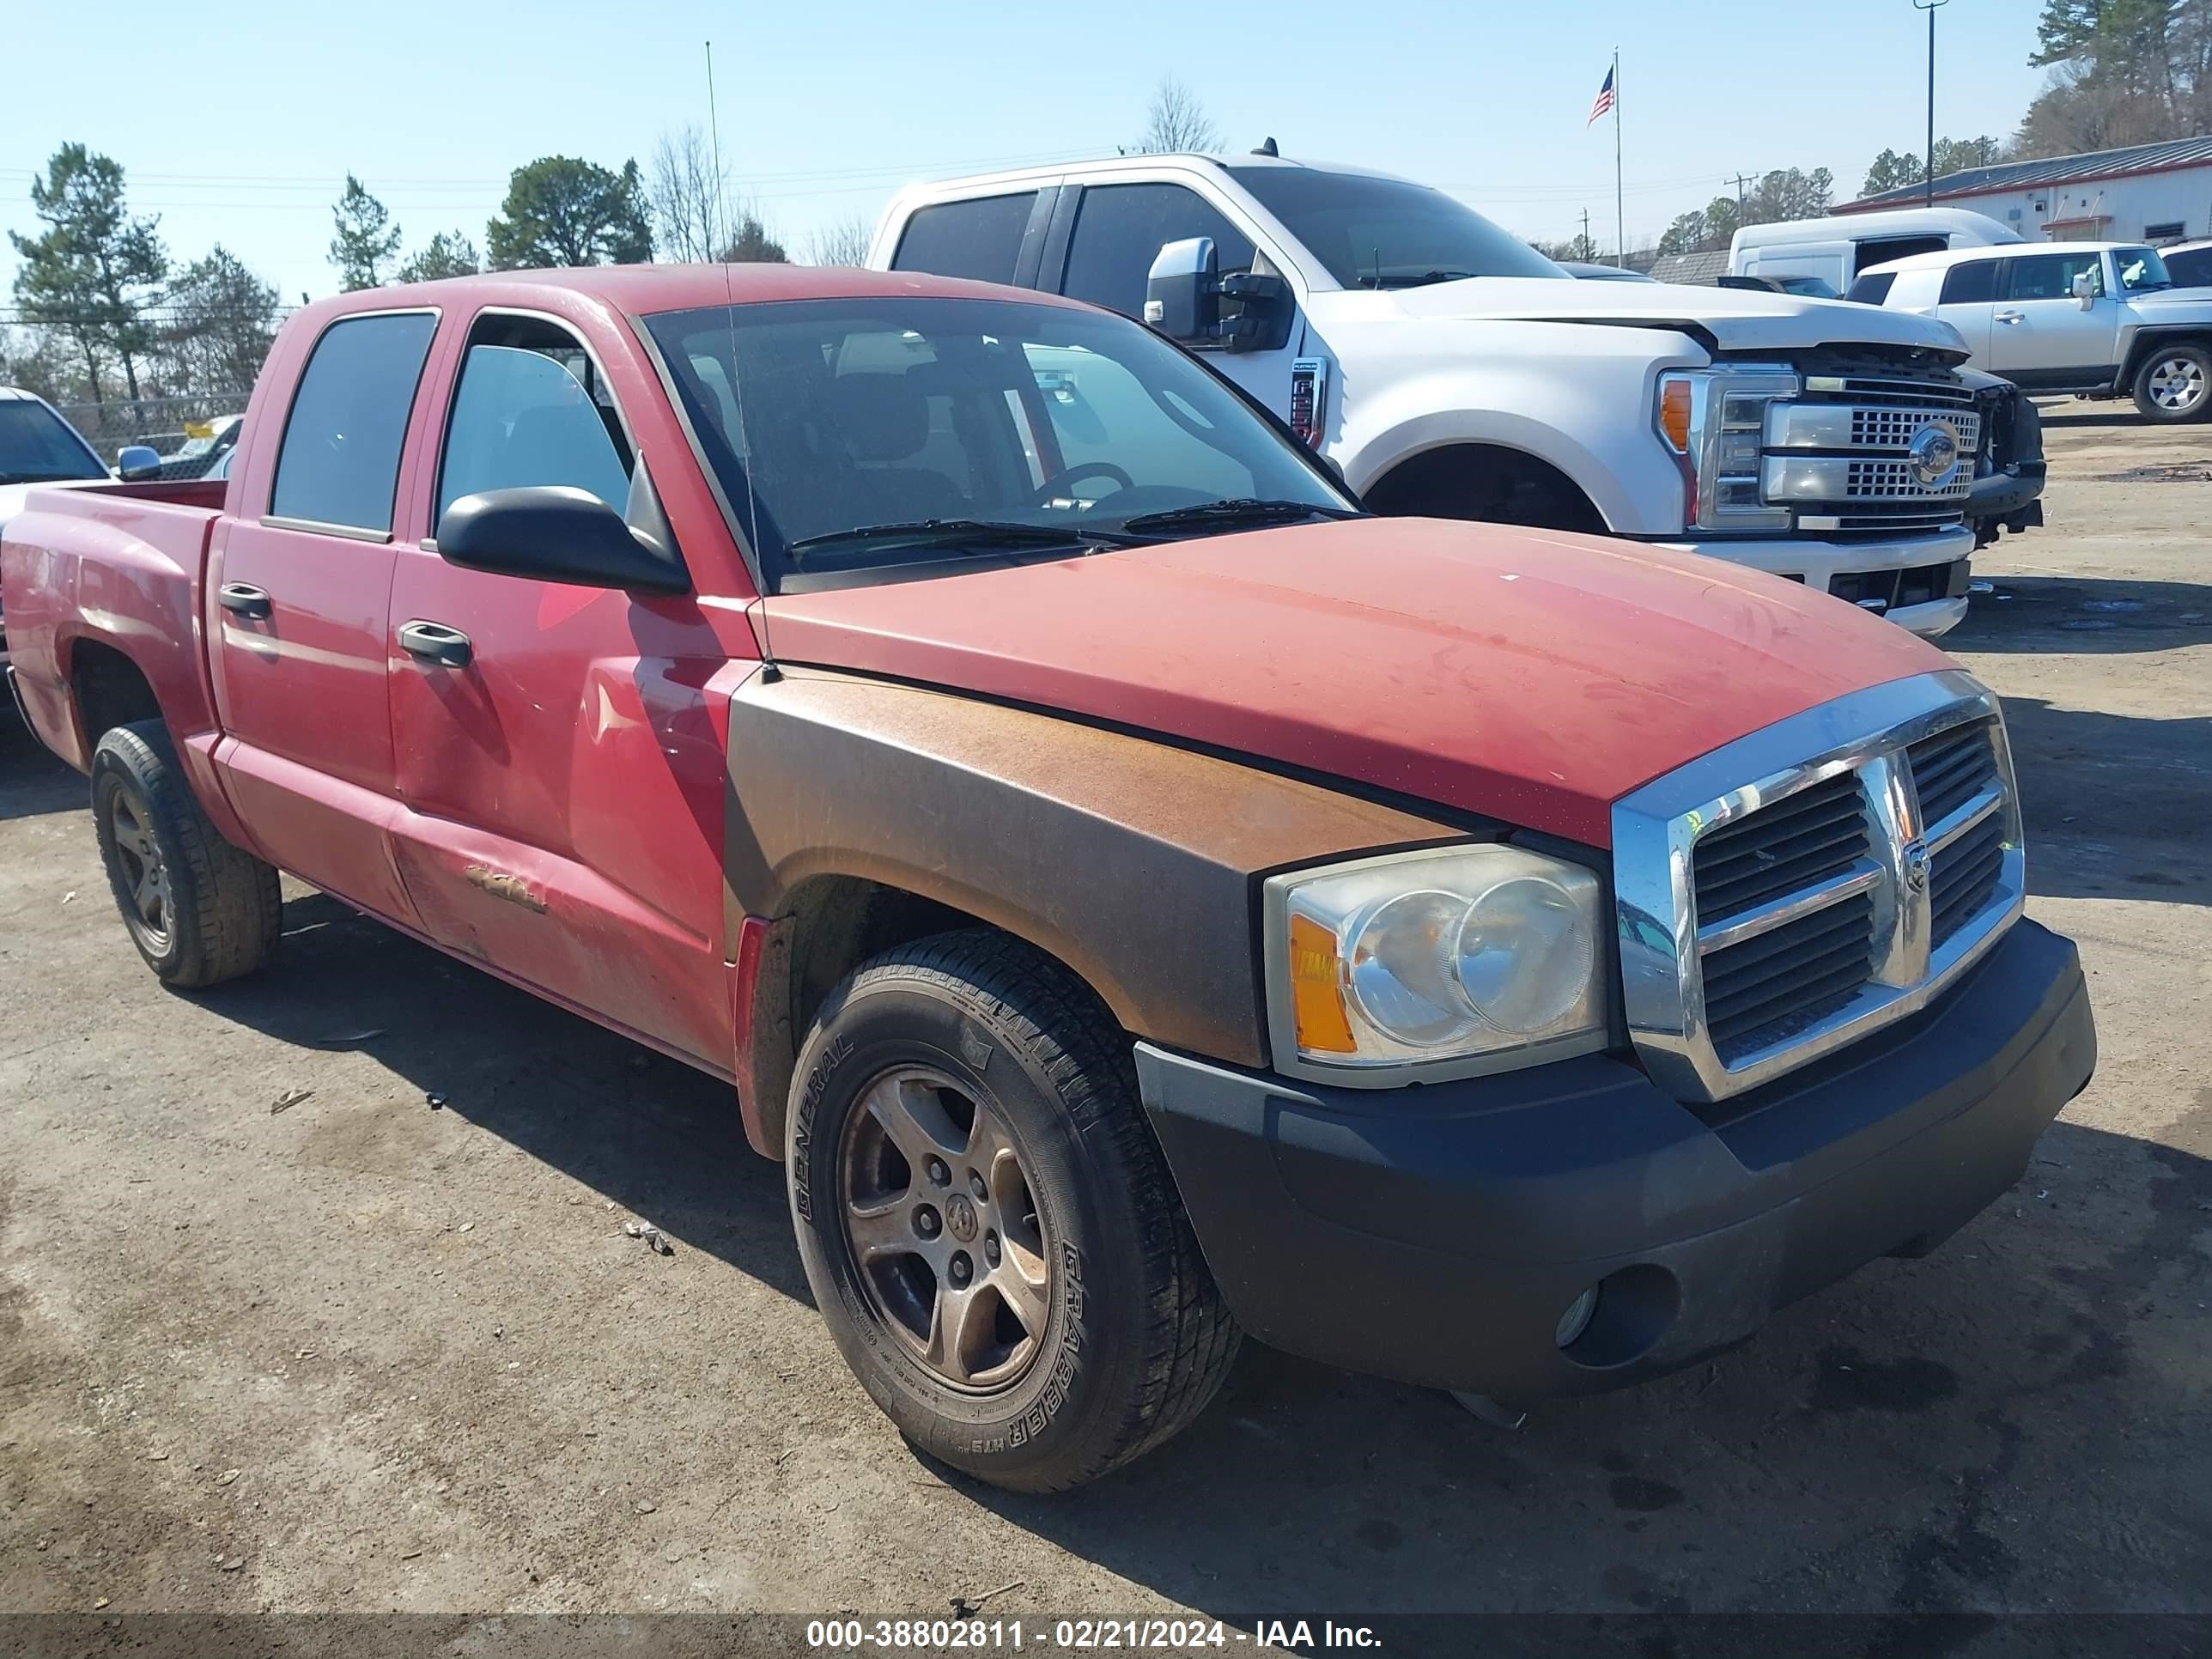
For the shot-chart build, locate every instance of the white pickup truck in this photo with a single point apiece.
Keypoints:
(1449, 370)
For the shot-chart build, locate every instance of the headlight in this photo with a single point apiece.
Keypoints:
(1713, 422)
(1448, 962)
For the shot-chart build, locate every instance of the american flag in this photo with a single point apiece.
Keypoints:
(1604, 99)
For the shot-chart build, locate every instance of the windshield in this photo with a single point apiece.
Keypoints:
(2141, 268)
(37, 446)
(871, 433)
(1385, 232)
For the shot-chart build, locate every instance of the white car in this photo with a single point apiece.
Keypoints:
(2190, 264)
(2103, 319)
(37, 446)
(1448, 369)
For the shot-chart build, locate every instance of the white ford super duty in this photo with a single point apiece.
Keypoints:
(1448, 369)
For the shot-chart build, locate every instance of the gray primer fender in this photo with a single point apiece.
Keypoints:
(1131, 860)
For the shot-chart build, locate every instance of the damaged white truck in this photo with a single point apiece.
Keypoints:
(1449, 370)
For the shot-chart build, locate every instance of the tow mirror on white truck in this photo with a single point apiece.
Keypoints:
(1184, 296)
(2085, 289)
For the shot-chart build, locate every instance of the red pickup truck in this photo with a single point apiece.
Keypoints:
(1142, 898)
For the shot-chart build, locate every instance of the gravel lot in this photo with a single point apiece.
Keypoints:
(359, 1354)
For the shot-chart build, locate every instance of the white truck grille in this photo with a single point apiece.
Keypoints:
(1868, 454)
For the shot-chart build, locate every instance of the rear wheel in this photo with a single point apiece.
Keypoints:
(987, 1223)
(2174, 384)
(199, 909)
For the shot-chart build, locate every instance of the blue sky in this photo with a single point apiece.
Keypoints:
(239, 124)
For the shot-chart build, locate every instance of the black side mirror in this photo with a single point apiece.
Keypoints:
(1184, 296)
(136, 463)
(556, 533)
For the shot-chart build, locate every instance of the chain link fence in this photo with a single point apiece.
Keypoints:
(193, 372)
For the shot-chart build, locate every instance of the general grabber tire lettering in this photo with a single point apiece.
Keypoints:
(199, 909)
(986, 1221)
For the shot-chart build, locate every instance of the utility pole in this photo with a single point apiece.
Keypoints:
(1582, 248)
(1739, 181)
(1928, 184)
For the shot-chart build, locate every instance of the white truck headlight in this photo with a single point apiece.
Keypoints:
(1446, 961)
(1713, 422)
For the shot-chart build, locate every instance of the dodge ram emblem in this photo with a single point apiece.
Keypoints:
(1915, 857)
(1933, 452)
(960, 1218)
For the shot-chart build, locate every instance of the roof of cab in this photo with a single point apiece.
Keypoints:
(640, 290)
(980, 184)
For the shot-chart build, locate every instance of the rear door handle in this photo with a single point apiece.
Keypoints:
(2012, 317)
(429, 642)
(243, 598)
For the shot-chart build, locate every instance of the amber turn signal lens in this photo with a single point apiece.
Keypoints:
(1674, 413)
(1316, 1001)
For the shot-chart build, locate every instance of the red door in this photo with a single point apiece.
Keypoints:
(563, 785)
(298, 588)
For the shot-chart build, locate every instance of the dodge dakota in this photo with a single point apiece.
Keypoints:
(1144, 899)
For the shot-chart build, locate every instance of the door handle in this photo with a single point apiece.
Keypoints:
(2012, 316)
(429, 642)
(243, 599)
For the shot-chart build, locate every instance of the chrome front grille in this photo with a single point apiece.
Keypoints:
(1865, 480)
(1962, 794)
(1814, 881)
(1798, 843)
(1856, 456)
(1895, 428)
(1769, 957)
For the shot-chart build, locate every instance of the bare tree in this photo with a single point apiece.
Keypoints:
(845, 243)
(689, 196)
(1174, 121)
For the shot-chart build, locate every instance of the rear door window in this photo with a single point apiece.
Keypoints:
(981, 239)
(1974, 281)
(339, 464)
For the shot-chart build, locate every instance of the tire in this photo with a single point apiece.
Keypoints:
(1128, 1336)
(199, 909)
(2173, 384)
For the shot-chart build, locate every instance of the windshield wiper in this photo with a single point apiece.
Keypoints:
(1237, 510)
(960, 534)
(1425, 279)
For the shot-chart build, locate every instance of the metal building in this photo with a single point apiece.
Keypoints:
(2158, 193)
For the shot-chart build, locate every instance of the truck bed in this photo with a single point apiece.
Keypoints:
(129, 556)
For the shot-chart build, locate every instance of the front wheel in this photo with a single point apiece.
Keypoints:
(987, 1222)
(2174, 384)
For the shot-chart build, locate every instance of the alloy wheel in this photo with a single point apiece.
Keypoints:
(945, 1228)
(2177, 384)
(144, 877)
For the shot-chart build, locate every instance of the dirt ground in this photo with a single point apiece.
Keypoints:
(361, 1354)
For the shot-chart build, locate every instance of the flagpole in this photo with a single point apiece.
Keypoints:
(1619, 211)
